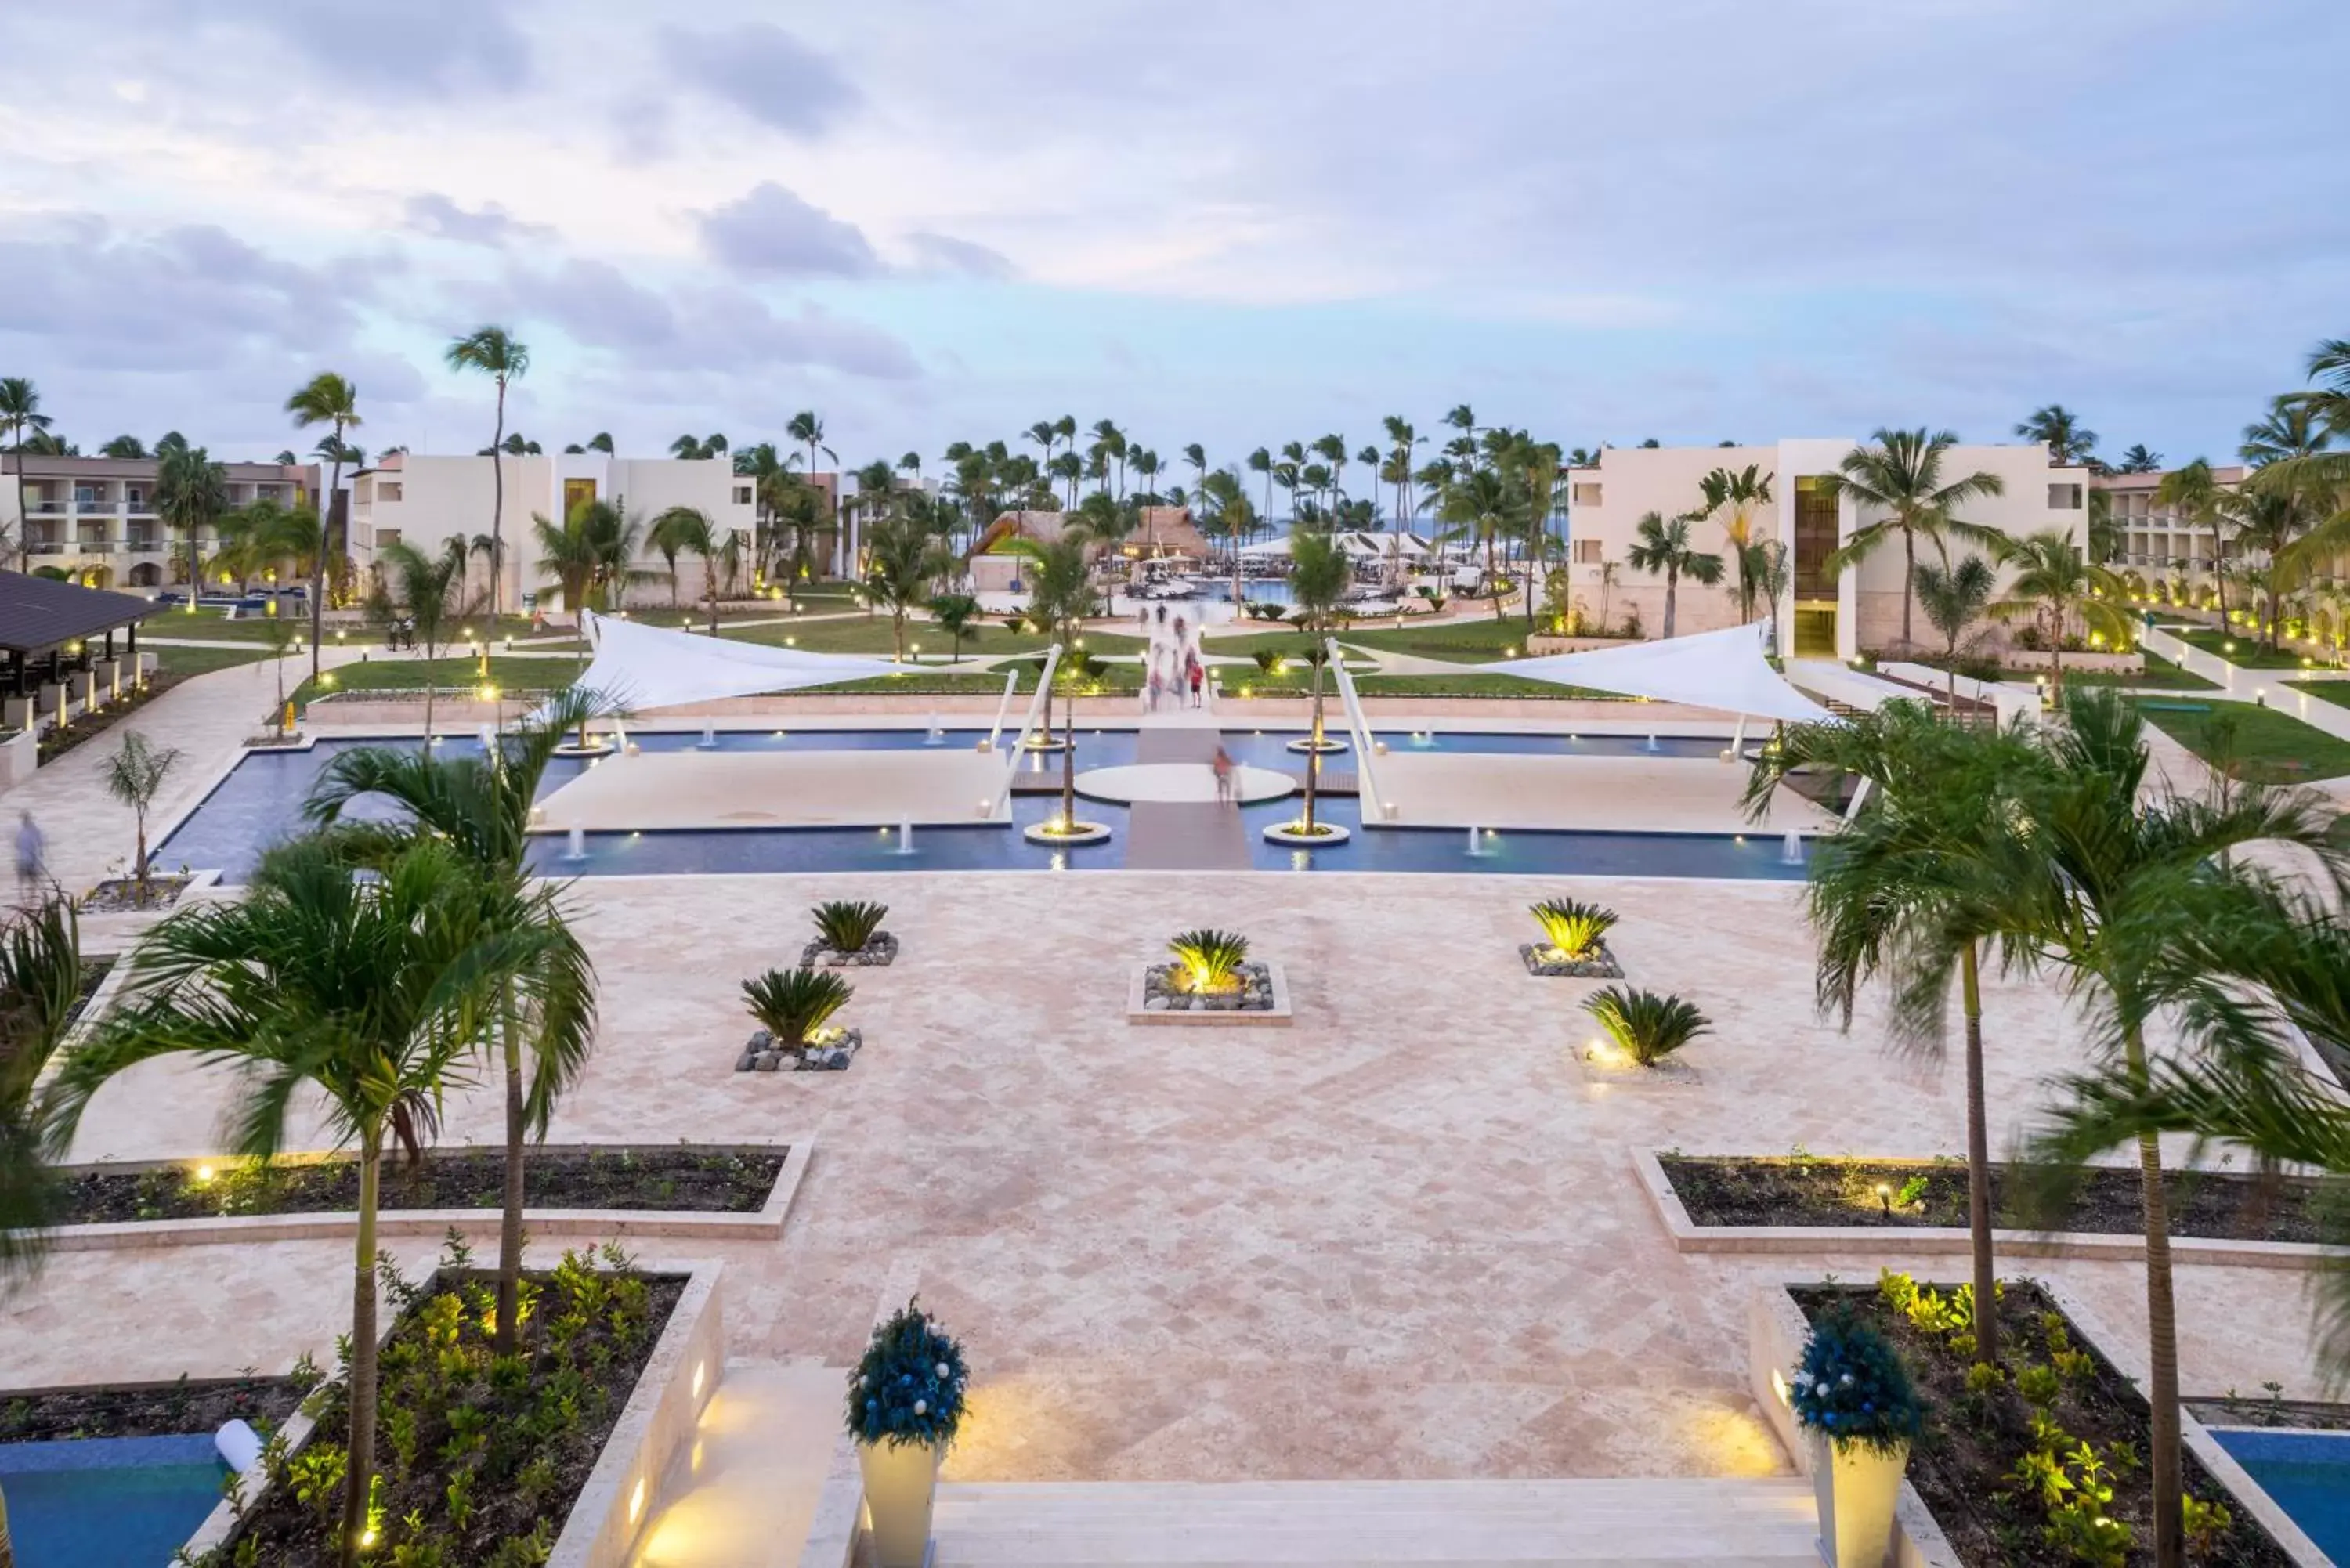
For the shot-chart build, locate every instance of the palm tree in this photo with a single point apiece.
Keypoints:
(1060, 597)
(2192, 494)
(40, 986)
(1663, 548)
(903, 561)
(190, 495)
(20, 415)
(123, 446)
(2059, 430)
(2131, 876)
(325, 400)
(2053, 583)
(1953, 599)
(496, 352)
(1196, 457)
(2138, 459)
(1110, 446)
(957, 616)
(1733, 498)
(424, 586)
(1915, 885)
(798, 509)
(1261, 462)
(480, 808)
(806, 428)
(368, 994)
(1228, 518)
(261, 536)
(1484, 504)
(1901, 475)
(1319, 573)
(688, 531)
(2269, 520)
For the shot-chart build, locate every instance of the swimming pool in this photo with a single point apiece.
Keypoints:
(260, 803)
(2308, 1474)
(108, 1502)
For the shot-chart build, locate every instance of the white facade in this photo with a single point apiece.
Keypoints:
(1859, 609)
(2155, 540)
(94, 517)
(422, 501)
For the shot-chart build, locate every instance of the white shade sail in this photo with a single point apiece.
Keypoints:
(1725, 670)
(1267, 547)
(642, 667)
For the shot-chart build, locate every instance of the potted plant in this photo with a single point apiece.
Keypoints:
(1575, 941)
(849, 933)
(792, 1005)
(905, 1401)
(1853, 1398)
(1645, 1027)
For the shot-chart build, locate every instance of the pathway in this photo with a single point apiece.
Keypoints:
(1182, 836)
(2239, 683)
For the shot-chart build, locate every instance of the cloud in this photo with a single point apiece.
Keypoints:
(718, 329)
(771, 231)
(390, 49)
(944, 253)
(435, 214)
(766, 73)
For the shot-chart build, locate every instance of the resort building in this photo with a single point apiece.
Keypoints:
(2155, 540)
(422, 501)
(94, 518)
(1822, 613)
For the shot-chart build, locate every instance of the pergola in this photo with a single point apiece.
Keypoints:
(49, 627)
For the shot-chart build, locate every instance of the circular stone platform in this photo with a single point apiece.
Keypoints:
(1330, 833)
(595, 747)
(1327, 747)
(1084, 832)
(1179, 784)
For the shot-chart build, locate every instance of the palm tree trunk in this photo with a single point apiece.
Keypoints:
(318, 567)
(1672, 588)
(359, 1467)
(2275, 616)
(510, 1220)
(1908, 577)
(1314, 750)
(1069, 757)
(497, 506)
(2162, 1337)
(1979, 1165)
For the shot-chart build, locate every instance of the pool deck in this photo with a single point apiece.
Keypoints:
(1612, 794)
(654, 791)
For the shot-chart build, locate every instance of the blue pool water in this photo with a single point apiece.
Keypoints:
(108, 1502)
(260, 804)
(2308, 1474)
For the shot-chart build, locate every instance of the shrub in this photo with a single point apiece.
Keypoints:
(1646, 1026)
(908, 1387)
(1268, 660)
(793, 1003)
(1851, 1387)
(1574, 928)
(1210, 960)
(848, 927)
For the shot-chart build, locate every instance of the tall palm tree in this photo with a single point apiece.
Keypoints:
(2139, 459)
(2131, 876)
(2053, 583)
(480, 807)
(2060, 430)
(1319, 573)
(2192, 494)
(1900, 474)
(128, 446)
(1060, 597)
(1733, 498)
(423, 586)
(1662, 547)
(262, 535)
(1042, 433)
(2269, 520)
(368, 994)
(1914, 887)
(191, 494)
(327, 399)
(20, 415)
(688, 531)
(1196, 457)
(1228, 518)
(1261, 462)
(496, 352)
(1953, 599)
(2292, 428)
(1485, 505)
(903, 561)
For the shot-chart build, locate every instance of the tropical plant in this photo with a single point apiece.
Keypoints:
(2059, 429)
(1733, 498)
(1483, 505)
(327, 399)
(424, 586)
(903, 561)
(1851, 1387)
(688, 531)
(1954, 599)
(40, 985)
(258, 537)
(791, 1004)
(849, 927)
(134, 774)
(20, 415)
(280, 637)
(1900, 475)
(190, 495)
(479, 807)
(364, 993)
(1319, 574)
(2054, 583)
(2140, 459)
(496, 352)
(1645, 1026)
(1663, 548)
(908, 1387)
(2192, 494)
(1208, 962)
(1574, 929)
(957, 615)
(1060, 597)
(591, 552)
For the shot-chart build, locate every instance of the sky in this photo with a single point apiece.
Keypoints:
(1233, 224)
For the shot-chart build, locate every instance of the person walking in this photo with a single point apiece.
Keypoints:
(1196, 675)
(1222, 765)
(32, 859)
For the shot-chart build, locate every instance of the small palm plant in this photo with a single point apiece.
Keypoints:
(1573, 929)
(848, 927)
(791, 1004)
(1644, 1025)
(134, 774)
(1209, 961)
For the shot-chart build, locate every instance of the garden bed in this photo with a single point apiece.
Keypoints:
(879, 953)
(120, 895)
(1805, 1190)
(482, 1463)
(1261, 996)
(825, 1051)
(94, 970)
(689, 1180)
(149, 1409)
(1541, 958)
(1965, 1466)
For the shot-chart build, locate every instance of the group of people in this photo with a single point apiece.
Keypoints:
(1173, 669)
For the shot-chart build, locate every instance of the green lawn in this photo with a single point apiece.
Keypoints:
(211, 626)
(2264, 746)
(184, 661)
(858, 635)
(1298, 682)
(400, 673)
(2335, 691)
(2247, 654)
(1462, 642)
(2161, 674)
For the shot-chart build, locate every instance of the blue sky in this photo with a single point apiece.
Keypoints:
(1233, 224)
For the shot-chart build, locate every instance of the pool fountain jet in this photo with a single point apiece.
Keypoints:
(934, 733)
(905, 836)
(1791, 850)
(1477, 843)
(576, 845)
(1652, 744)
(709, 738)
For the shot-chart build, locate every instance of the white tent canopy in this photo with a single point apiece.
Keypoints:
(1720, 669)
(1268, 548)
(641, 667)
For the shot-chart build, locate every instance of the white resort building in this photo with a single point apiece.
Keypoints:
(94, 518)
(1821, 614)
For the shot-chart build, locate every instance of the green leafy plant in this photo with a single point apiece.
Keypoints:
(1572, 927)
(1210, 961)
(848, 927)
(793, 1003)
(2206, 1524)
(908, 1387)
(1913, 1192)
(1850, 1387)
(1644, 1025)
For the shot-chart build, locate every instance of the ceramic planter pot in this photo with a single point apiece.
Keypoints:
(899, 1481)
(1856, 1486)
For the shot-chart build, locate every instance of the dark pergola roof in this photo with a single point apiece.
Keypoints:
(39, 612)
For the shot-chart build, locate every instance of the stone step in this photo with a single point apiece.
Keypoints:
(1589, 1523)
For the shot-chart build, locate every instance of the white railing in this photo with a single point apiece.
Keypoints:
(1002, 810)
(1358, 730)
(995, 730)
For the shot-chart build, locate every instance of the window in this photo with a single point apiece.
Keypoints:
(386, 537)
(1588, 495)
(388, 490)
(742, 496)
(1587, 552)
(2063, 498)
